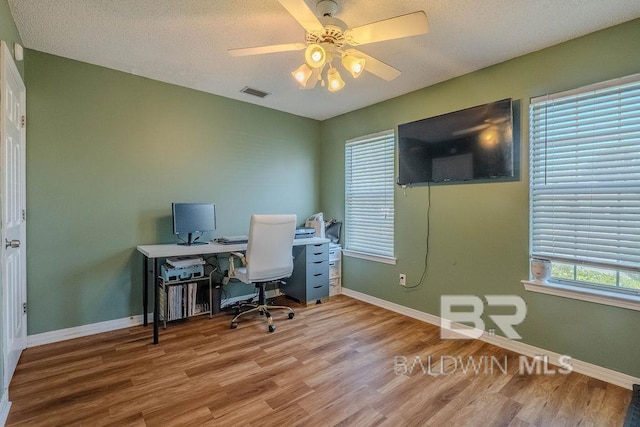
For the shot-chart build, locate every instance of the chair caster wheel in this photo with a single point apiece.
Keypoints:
(272, 328)
(291, 315)
(234, 325)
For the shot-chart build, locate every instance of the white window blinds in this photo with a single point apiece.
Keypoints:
(369, 187)
(585, 175)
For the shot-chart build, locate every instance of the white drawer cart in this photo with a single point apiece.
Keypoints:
(335, 269)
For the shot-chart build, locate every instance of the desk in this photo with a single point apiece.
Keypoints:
(153, 253)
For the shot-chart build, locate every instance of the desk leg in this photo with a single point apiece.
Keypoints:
(145, 290)
(156, 301)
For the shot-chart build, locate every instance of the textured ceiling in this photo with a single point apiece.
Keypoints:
(185, 42)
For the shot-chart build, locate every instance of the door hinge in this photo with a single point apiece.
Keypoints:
(23, 121)
(24, 215)
(24, 308)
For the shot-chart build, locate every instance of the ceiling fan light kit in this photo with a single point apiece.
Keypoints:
(335, 81)
(353, 64)
(325, 37)
(302, 74)
(315, 55)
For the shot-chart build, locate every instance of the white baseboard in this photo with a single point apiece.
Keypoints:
(111, 325)
(5, 405)
(84, 330)
(591, 370)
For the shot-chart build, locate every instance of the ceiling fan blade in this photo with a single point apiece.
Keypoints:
(305, 16)
(471, 129)
(488, 123)
(375, 66)
(259, 50)
(411, 24)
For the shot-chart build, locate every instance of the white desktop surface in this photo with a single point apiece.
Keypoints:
(169, 250)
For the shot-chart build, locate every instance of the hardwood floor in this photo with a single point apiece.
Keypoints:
(335, 364)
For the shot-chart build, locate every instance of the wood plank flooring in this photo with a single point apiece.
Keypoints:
(335, 364)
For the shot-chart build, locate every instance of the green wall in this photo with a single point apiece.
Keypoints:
(479, 232)
(108, 152)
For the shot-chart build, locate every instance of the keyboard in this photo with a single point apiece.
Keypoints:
(232, 240)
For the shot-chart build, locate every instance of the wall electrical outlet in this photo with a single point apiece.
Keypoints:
(402, 279)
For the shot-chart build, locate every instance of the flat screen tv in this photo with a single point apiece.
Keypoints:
(192, 218)
(471, 145)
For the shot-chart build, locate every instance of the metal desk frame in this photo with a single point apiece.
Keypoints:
(152, 254)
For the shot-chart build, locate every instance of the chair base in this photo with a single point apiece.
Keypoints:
(262, 308)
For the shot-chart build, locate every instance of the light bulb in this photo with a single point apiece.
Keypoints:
(302, 74)
(335, 81)
(489, 138)
(315, 55)
(353, 64)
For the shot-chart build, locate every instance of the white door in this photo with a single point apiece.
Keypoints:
(13, 202)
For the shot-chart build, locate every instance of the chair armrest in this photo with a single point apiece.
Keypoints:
(241, 256)
(232, 269)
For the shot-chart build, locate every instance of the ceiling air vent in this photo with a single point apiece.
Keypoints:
(254, 92)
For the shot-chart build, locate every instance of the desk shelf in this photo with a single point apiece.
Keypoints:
(182, 299)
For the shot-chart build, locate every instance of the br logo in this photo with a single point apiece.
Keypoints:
(453, 324)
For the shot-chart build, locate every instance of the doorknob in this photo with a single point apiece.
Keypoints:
(12, 244)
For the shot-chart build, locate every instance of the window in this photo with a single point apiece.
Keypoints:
(585, 185)
(369, 187)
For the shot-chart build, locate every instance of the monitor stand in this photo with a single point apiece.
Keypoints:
(191, 242)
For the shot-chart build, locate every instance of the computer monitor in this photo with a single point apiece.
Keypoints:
(191, 218)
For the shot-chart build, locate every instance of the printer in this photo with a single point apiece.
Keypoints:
(182, 268)
(305, 232)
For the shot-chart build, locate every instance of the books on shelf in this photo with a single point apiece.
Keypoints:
(181, 301)
(192, 288)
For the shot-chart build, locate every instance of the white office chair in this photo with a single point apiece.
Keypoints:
(268, 259)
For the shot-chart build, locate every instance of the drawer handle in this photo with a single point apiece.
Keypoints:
(317, 275)
(318, 262)
(317, 253)
(317, 287)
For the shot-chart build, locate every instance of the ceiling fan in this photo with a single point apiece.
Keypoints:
(492, 123)
(327, 38)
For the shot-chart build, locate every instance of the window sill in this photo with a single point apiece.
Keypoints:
(630, 302)
(376, 258)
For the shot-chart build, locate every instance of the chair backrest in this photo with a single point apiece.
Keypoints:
(270, 246)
